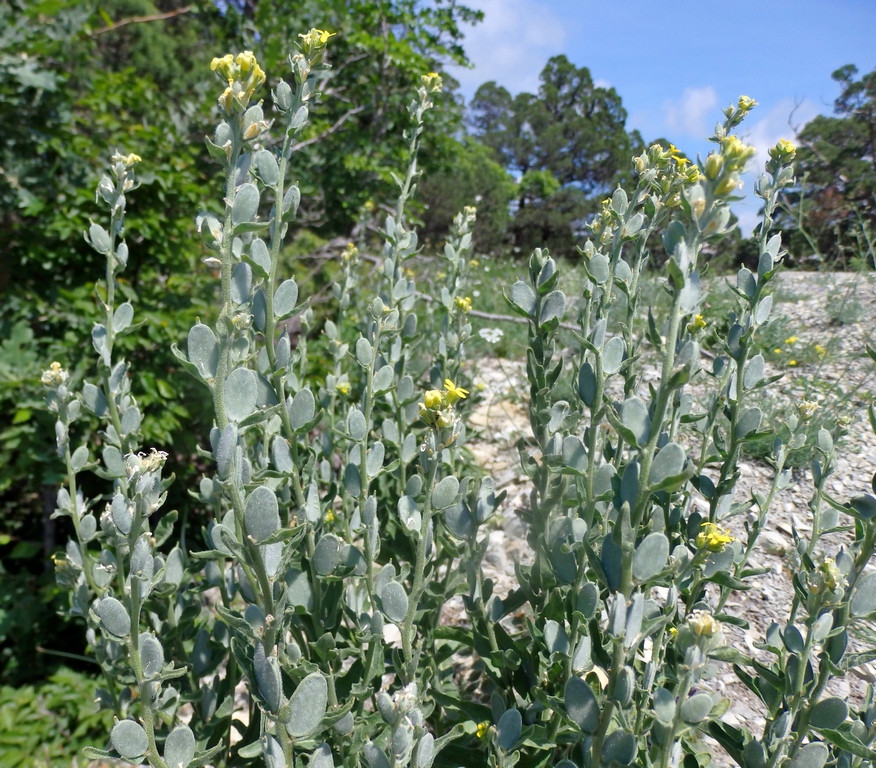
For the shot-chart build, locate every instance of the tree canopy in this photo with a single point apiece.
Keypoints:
(836, 171)
(567, 145)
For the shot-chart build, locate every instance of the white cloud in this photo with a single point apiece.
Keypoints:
(511, 45)
(692, 114)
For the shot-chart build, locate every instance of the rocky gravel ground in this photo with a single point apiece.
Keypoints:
(810, 304)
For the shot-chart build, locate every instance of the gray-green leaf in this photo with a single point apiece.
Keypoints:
(262, 514)
(241, 393)
(581, 705)
(445, 493)
(308, 705)
(129, 739)
(179, 748)
(285, 298)
(114, 617)
(395, 601)
(246, 204)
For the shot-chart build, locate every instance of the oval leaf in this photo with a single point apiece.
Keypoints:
(308, 705)
(246, 204)
(445, 493)
(129, 739)
(262, 514)
(395, 601)
(241, 393)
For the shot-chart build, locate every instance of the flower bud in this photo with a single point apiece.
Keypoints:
(714, 164)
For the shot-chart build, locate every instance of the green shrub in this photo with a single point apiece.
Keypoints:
(346, 515)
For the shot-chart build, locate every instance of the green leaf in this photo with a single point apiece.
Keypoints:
(523, 298)
(634, 416)
(552, 307)
(587, 384)
(863, 601)
(94, 400)
(509, 728)
(811, 756)
(356, 425)
(620, 747)
(268, 679)
(664, 705)
(246, 204)
(829, 713)
(613, 355)
(696, 708)
(262, 515)
(122, 317)
(667, 470)
(749, 422)
(327, 554)
(307, 706)
(241, 393)
(114, 617)
(129, 739)
(445, 493)
(650, 556)
(302, 409)
(179, 747)
(268, 168)
(394, 600)
(260, 257)
(203, 350)
(151, 654)
(581, 705)
(285, 298)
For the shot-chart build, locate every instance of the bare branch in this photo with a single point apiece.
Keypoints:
(328, 131)
(141, 20)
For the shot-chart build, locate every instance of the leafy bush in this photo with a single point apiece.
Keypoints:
(42, 726)
(346, 515)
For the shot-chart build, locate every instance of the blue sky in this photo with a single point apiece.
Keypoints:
(676, 64)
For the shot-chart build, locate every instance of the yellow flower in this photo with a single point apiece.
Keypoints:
(474, 263)
(463, 304)
(792, 362)
(246, 61)
(224, 66)
(315, 39)
(698, 323)
(807, 409)
(778, 351)
(432, 81)
(791, 340)
(328, 517)
(784, 151)
(821, 350)
(483, 729)
(433, 399)
(713, 538)
(736, 154)
(703, 624)
(454, 393)
(673, 631)
(55, 376)
(343, 387)
(746, 103)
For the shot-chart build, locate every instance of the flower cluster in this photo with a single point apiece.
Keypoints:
(711, 538)
(244, 76)
(463, 304)
(437, 406)
(55, 376)
(432, 82)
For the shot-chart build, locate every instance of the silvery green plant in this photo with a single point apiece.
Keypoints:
(346, 515)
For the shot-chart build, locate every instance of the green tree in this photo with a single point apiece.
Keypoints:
(573, 132)
(381, 50)
(836, 172)
(471, 176)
